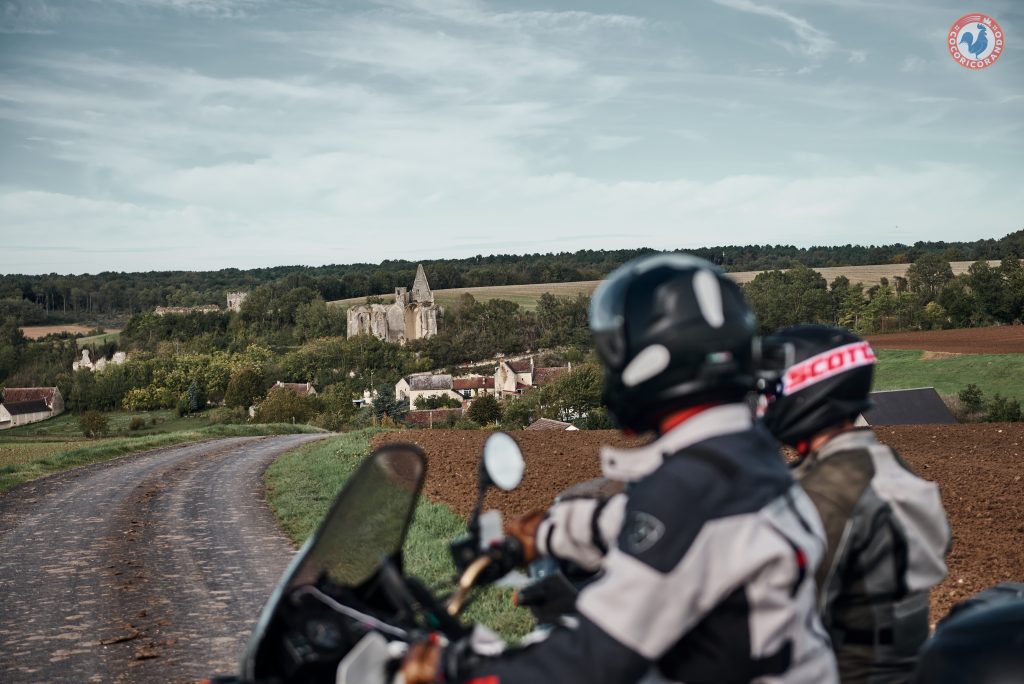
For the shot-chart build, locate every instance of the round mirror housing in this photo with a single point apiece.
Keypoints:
(503, 461)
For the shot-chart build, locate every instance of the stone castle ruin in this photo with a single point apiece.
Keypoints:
(412, 316)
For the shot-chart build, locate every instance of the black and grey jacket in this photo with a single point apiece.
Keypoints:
(887, 541)
(710, 578)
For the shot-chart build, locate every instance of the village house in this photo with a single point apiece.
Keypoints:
(473, 386)
(23, 405)
(423, 385)
(515, 377)
(511, 378)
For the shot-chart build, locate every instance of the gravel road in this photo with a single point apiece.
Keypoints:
(145, 568)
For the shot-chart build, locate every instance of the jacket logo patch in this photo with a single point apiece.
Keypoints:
(643, 531)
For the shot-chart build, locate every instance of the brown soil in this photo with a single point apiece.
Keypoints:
(979, 469)
(1001, 339)
(34, 332)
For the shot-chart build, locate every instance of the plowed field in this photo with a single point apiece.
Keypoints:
(979, 469)
(1001, 339)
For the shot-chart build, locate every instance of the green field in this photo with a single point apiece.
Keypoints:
(993, 373)
(99, 339)
(53, 445)
(526, 295)
(302, 484)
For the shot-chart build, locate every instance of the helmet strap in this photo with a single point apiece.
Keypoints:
(674, 420)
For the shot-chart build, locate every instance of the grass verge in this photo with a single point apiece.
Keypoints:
(993, 373)
(21, 470)
(302, 483)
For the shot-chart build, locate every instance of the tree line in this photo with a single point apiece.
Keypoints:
(55, 297)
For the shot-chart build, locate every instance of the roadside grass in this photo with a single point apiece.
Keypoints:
(993, 373)
(302, 483)
(65, 426)
(22, 464)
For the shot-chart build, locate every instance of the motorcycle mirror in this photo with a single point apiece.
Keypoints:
(503, 463)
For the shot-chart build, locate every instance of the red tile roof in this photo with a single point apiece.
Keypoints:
(542, 376)
(13, 395)
(477, 382)
(520, 366)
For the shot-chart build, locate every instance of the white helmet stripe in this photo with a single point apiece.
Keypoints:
(826, 365)
(708, 292)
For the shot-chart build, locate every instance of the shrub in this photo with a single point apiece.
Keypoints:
(437, 401)
(136, 423)
(225, 415)
(972, 398)
(1002, 410)
(484, 410)
(284, 406)
(92, 423)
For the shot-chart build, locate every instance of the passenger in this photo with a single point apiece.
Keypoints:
(709, 578)
(887, 531)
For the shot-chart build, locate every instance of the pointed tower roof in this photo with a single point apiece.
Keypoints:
(420, 288)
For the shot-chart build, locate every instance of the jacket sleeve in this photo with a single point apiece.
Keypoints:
(581, 530)
(666, 572)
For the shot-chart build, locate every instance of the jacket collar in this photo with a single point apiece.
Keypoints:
(628, 465)
(857, 438)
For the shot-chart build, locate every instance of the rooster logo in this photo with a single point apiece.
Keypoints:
(975, 41)
(976, 46)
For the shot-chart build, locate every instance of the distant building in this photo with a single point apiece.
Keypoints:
(23, 405)
(183, 310)
(918, 406)
(235, 300)
(515, 377)
(473, 386)
(86, 363)
(412, 316)
(551, 425)
(422, 385)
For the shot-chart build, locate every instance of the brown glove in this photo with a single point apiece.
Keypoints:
(524, 528)
(422, 663)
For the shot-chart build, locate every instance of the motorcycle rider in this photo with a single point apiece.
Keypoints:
(709, 577)
(886, 528)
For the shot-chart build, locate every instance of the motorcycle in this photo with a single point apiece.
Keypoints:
(345, 611)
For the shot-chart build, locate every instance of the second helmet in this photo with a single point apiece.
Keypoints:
(672, 331)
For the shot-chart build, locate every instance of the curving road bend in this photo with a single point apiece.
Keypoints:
(145, 568)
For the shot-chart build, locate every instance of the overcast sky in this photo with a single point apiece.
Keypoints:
(202, 134)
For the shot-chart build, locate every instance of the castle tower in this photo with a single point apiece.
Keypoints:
(421, 293)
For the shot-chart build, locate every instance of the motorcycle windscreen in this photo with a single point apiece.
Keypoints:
(367, 521)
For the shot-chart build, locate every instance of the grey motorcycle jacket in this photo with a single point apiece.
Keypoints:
(887, 541)
(709, 579)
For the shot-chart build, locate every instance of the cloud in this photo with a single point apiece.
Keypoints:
(912, 65)
(811, 42)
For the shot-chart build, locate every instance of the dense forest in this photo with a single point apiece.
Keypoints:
(115, 296)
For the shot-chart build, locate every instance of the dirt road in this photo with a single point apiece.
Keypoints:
(147, 568)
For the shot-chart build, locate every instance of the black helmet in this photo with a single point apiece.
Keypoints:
(672, 332)
(813, 377)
